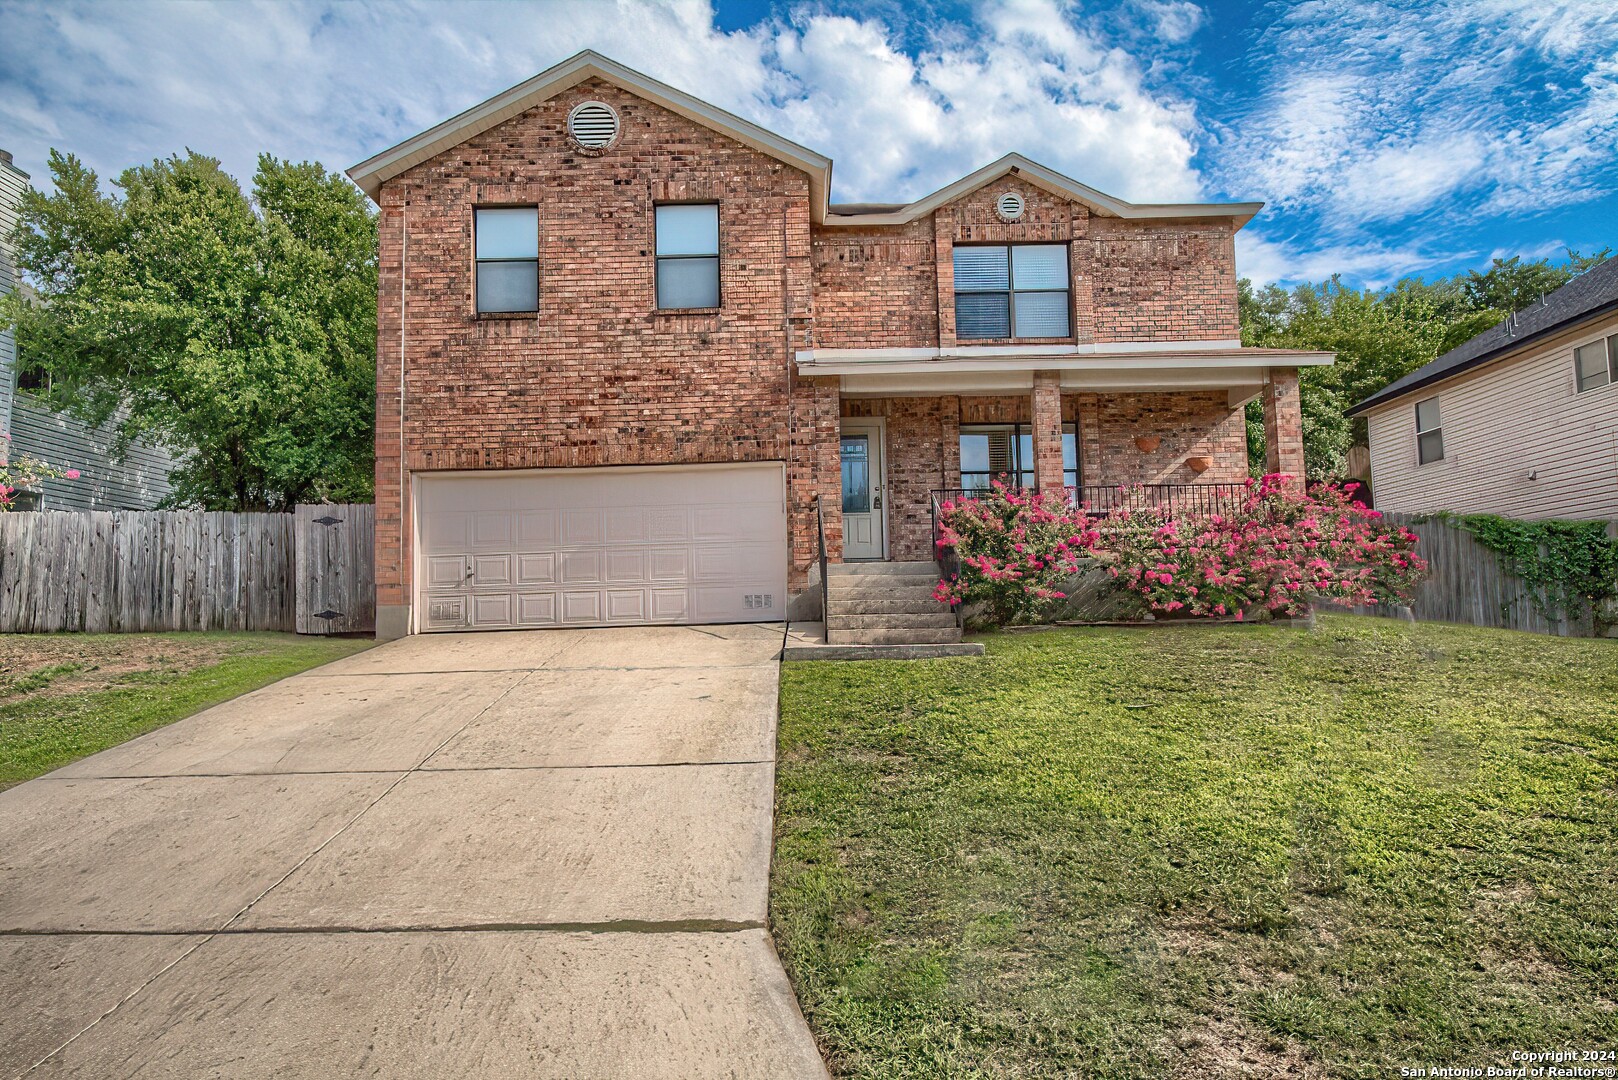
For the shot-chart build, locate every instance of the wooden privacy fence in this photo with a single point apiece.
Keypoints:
(142, 570)
(1468, 584)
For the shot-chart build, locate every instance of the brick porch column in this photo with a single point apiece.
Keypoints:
(1048, 429)
(1283, 423)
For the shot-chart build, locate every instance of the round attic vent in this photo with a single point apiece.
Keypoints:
(1009, 206)
(593, 125)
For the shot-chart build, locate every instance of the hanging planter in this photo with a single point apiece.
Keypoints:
(1198, 465)
(1147, 443)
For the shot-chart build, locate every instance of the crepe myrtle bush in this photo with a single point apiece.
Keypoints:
(1016, 549)
(1275, 551)
(22, 472)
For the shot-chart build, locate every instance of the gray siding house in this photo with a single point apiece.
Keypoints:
(135, 480)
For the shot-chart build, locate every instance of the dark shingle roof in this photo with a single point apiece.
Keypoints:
(1591, 293)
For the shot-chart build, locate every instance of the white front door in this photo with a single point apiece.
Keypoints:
(864, 488)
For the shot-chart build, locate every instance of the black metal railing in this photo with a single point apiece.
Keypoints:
(948, 559)
(825, 590)
(1099, 499)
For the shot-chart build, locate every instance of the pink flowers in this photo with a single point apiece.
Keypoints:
(1276, 552)
(1016, 548)
(71, 474)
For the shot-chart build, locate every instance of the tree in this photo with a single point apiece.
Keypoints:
(1378, 336)
(237, 333)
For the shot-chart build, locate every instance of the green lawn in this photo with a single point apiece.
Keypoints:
(63, 696)
(1203, 851)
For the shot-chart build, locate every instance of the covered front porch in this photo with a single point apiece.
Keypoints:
(909, 426)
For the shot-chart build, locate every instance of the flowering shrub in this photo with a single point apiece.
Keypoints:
(19, 473)
(1275, 551)
(1015, 548)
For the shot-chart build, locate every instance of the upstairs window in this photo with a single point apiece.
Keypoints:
(688, 255)
(1005, 452)
(507, 251)
(1429, 432)
(1597, 364)
(1012, 291)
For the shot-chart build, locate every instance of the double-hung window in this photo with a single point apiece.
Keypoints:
(1429, 432)
(1596, 364)
(1012, 291)
(1006, 452)
(688, 255)
(507, 251)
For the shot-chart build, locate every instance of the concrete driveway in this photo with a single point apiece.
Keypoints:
(538, 854)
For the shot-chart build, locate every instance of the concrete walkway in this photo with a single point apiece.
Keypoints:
(539, 854)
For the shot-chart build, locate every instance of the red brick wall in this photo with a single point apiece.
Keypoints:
(1164, 281)
(875, 287)
(599, 376)
(923, 445)
(1185, 425)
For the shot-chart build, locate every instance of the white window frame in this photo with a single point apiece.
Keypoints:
(658, 258)
(1610, 343)
(1011, 291)
(1437, 429)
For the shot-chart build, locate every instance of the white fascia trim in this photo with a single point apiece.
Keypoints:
(1057, 184)
(1239, 384)
(370, 173)
(972, 351)
(1063, 358)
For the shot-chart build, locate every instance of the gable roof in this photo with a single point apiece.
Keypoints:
(1588, 296)
(373, 171)
(1050, 180)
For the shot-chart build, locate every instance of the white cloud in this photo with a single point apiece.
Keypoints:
(1376, 110)
(121, 84)
(1366, 261)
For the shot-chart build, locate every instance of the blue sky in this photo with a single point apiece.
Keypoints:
(1389, 137)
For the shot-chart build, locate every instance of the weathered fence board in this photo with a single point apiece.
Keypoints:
(143, 570)
(336, 586)
(1468, 584)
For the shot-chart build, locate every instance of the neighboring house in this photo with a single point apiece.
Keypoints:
(1521, 421)
(626, 344)
(135, 480)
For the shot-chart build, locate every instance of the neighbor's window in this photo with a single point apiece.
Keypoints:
(507, 254)
(688, 255)
(1429, 434)
(1011, 291)
(1006, 451)
(1597, 363)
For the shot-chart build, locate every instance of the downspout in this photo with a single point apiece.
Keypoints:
(404, 522)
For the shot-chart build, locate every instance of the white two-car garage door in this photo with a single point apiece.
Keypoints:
(601, 547)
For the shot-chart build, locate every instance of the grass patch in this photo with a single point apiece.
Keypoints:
(1203, 851)
(64, 696)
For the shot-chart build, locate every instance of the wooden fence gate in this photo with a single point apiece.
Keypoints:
(147, 570)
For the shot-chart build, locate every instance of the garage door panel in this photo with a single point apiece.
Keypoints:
(625, 566)
(536, 528)
(601, 546)
(492, 570)
(491, 609)
(536, 569)
(536, 609)
(578, 567)
(493, 529)
(446, 571)
(581, 607)
(581, 527)
(626, 605)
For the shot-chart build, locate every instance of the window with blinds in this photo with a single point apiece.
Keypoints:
(1012, 291)
(1005, 452)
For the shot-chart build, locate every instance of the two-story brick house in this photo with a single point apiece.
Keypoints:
(626, 343)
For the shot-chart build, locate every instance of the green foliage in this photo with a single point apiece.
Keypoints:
(1379, 335)
(1569, 565)
(237, 332)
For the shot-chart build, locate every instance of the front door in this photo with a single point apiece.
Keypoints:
(864, 483)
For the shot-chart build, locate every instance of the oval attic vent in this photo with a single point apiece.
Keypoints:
(1009, 206)
(593, 124)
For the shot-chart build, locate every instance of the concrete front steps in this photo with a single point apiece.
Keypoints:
(887, 603)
